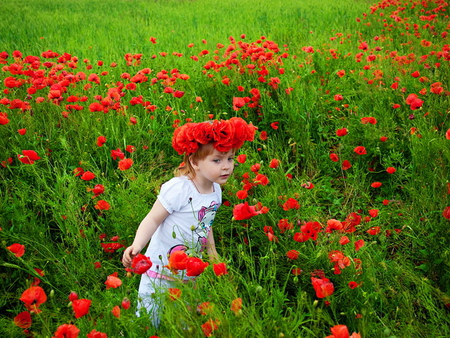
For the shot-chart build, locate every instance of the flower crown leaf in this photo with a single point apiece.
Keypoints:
(225, 134)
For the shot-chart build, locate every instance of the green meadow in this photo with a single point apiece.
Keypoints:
(350, 164)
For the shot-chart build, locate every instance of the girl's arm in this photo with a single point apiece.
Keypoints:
(145, 231)
(211, 248)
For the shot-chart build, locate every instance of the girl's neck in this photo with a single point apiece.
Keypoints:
(202, 187)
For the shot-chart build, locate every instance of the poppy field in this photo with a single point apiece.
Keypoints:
(336, 221)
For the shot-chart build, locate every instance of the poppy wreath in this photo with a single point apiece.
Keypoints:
(225, 135)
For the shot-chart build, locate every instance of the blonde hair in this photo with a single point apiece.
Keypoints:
(185, 168)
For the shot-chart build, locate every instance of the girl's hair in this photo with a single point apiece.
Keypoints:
(185, 168)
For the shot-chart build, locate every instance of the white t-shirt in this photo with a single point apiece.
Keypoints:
(188, 225)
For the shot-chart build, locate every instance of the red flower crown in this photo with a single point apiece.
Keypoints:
(225, 134)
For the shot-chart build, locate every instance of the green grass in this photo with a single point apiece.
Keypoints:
(404, 282)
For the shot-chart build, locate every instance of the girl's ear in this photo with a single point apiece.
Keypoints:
(193, 162)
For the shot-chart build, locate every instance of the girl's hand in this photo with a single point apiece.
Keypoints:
(128, 255)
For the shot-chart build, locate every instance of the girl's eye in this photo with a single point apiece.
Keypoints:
(216, 160)
(231, 159)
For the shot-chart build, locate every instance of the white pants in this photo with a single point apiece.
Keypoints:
(151, 297)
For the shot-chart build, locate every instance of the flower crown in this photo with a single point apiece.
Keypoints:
(225, 134)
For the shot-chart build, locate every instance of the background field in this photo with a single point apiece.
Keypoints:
(312, 68)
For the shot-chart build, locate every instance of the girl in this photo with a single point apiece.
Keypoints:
(182, 216)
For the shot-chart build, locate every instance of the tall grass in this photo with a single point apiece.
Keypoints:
(403, 282)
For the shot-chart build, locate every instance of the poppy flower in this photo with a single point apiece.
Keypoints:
(291, 203)
(73, 296)
(101, 140)
(195, 266)
(274, 125)
(447, 134)
(292, 254)
(117, 153)
(236, 305)
(391, 170)
(125, 164)
(174, 293)
(102, 205)
(66, 331)
(261, 179)
(376, 184)
(96, 334)
(359, 244)
(446, 213)
(87, 176)
(220, 269)
(360, 150)
(17, 249)
(33, 297)
(413, 101)
(130, 148)
(23, 320)
(126, 303)
(255, 167)
(322, 286)
(338, 97)
(346, 165)
(140, 264)
(28, 156)
(344, 240)
(209, 327)
(112, 281)
(334, 157)
(274, 163)
(374, 230)
(341, 132)
(4, 118)
(373, 212)
(205, 308)
(371, 120)
(116, 311)
(81, 307)
(244, 211)
(22, 131)
(177, 260)
(333, 224)
(242, 194)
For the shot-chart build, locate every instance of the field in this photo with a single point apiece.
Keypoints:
(346, 184)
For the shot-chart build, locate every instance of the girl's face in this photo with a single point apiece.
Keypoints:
(216, 167)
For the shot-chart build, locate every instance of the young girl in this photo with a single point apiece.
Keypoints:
(182, 216)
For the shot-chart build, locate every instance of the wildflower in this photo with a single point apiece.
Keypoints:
(81, 307)
(28, 156)
(344, 240)
(374, 231)
(274, 163)
(174, 293)
(311, 230)
(101, 140)
(205, 308)
(112, 281)
(73, 296)
(338, 97)
(17, 249)
(446, 213)
(125, 164)
(177, 261)
(360, 150)
(220, 269)
(341, 331)
(346, 165)
(263, 135)
(236, 305)
(195, 266)
(96, 334)
(209, 327)
(23, 320)
(242, 194)
(283, 225)
(66, 331)
(391, 170)
(376, 184)
(274, 125)
(342, 132)
(140, 264)
(292, 254)
(371, 120)
(117, 153)
(359, 244)
(373, 212)
(33, 297)
(322, 286)
(244, 211)
(333, 224)
(241, 158)
(87, 176)
(291, 203)
(116, 311)
(102, 205)
(22, 131)
(4, 118)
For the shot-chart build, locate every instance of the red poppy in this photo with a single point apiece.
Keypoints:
(174, 293)
(391, 170)
(81, 307)
(101, 141)
(102, 205)
(117, 153)
(446, 213)
(322, 286)
(23, 320)
(359, 244)
(360, 150)
(344, 240)
(66, 331)
(177, 260)
(205, 308)
(73, 296)
(125, 164)
(261, 179)
(338, 97)
(371, 120)
(414, 102)
(195, 266)
(116, 311)
(98, 190)
(4, 118)
(28, 156)
(140, 264)
(33, 297)
(126, 303)
(263, 135)
(236, 305)
(220, 269)
(17, 249)
(383, 138)
(291, 203)
(447, 134)
(244, 211)
(376, 184)
(342, 132)
(96, 334)
(274, 125)
(333, 224)
(22, 131)
(112, 281)
(242, 194)
(283, 225)
(274, 163)
(311, 229)
(87, 176)
(374, 230)
(111, 247)
(396, 106)
(346, 165)
(373, 212)
(334, 157)
(292, 254)
(242, 158)
(209, 327)
(296, 271)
